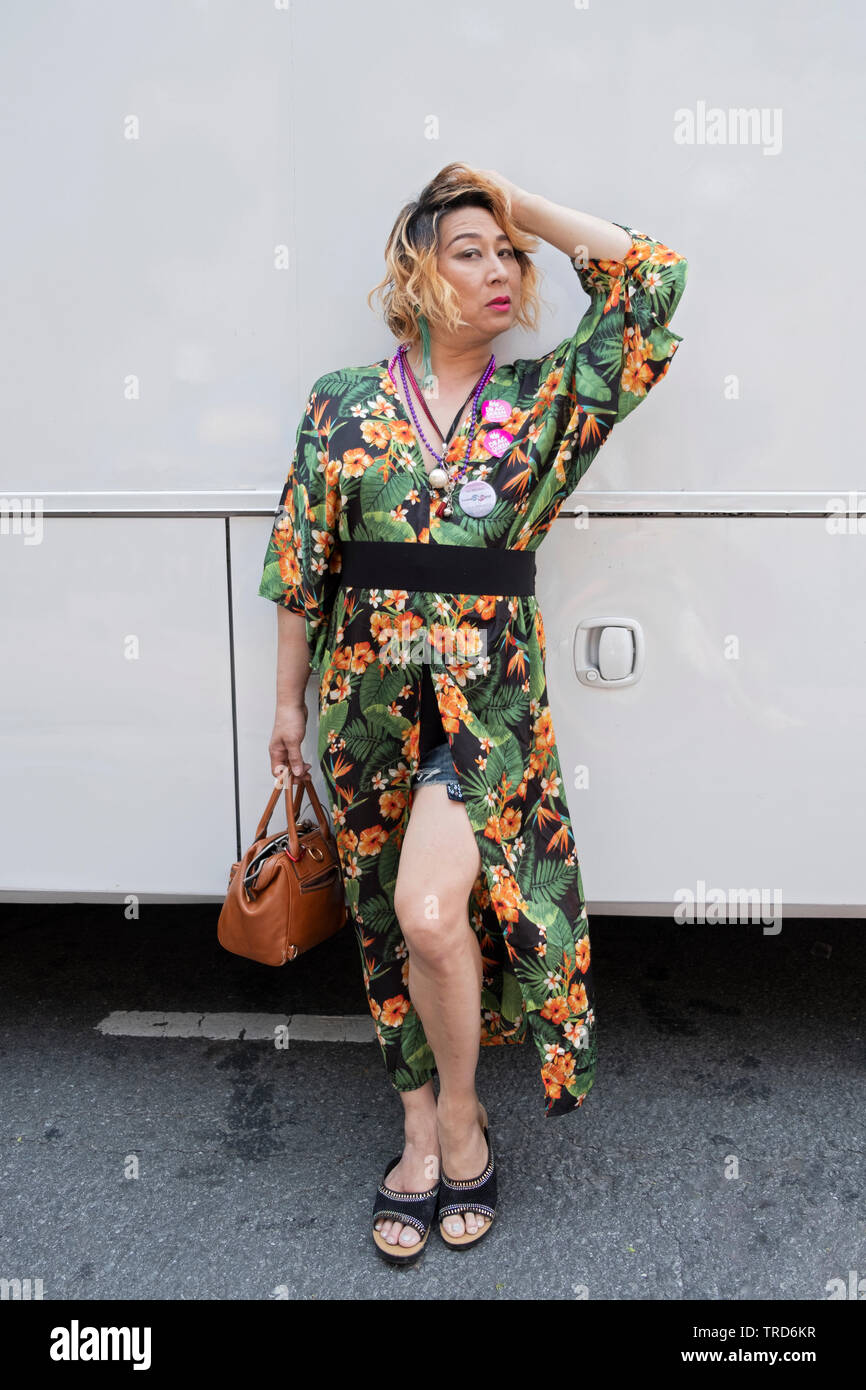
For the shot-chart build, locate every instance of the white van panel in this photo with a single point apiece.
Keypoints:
(737, 758)
(116, 728)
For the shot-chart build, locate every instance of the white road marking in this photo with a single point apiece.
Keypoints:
(255, 1027)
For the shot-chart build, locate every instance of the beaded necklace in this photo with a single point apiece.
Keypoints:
(446, 476)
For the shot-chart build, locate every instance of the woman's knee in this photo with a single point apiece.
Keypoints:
(432, 926)
(439, 863)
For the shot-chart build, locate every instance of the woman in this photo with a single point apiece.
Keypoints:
(402, 560)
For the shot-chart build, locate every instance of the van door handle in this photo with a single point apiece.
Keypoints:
(608, 651)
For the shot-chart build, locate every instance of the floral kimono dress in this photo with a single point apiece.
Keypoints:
(357, 475)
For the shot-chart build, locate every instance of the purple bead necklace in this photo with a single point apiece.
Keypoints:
(448, 477)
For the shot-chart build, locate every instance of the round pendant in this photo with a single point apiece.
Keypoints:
(438, 477)
(497, 441)
(496, 410)
(477, 498)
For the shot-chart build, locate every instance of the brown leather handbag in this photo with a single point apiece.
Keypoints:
(286, 894)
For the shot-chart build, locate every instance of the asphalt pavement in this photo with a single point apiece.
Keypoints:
(719, 1155)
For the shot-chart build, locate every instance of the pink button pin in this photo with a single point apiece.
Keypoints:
(497, 441)
(495, 410)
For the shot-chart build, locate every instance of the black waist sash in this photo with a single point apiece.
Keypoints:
(439, 569)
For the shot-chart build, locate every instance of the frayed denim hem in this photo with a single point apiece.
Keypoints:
(434, 778)
(436, 767)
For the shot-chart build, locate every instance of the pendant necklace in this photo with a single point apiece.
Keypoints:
(476, 498)
(444, 476)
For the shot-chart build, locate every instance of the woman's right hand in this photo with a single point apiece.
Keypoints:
(290, 725)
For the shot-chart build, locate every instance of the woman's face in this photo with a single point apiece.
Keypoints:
(477, 259)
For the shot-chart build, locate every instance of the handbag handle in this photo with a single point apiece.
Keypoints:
(302, 780)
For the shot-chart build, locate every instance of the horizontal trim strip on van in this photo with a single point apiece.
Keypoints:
(260, 502)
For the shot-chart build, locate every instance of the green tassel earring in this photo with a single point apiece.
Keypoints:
(428, 380)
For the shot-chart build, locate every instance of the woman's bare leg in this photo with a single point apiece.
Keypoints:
(439, 862)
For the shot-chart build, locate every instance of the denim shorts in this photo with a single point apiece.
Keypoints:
(437, 766)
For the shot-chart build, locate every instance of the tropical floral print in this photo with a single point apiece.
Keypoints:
(357, 474)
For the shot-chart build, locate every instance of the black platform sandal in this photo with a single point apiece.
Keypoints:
(469, 1194)
(411, 1208)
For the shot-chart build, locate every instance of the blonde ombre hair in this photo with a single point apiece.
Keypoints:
(412, 276)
